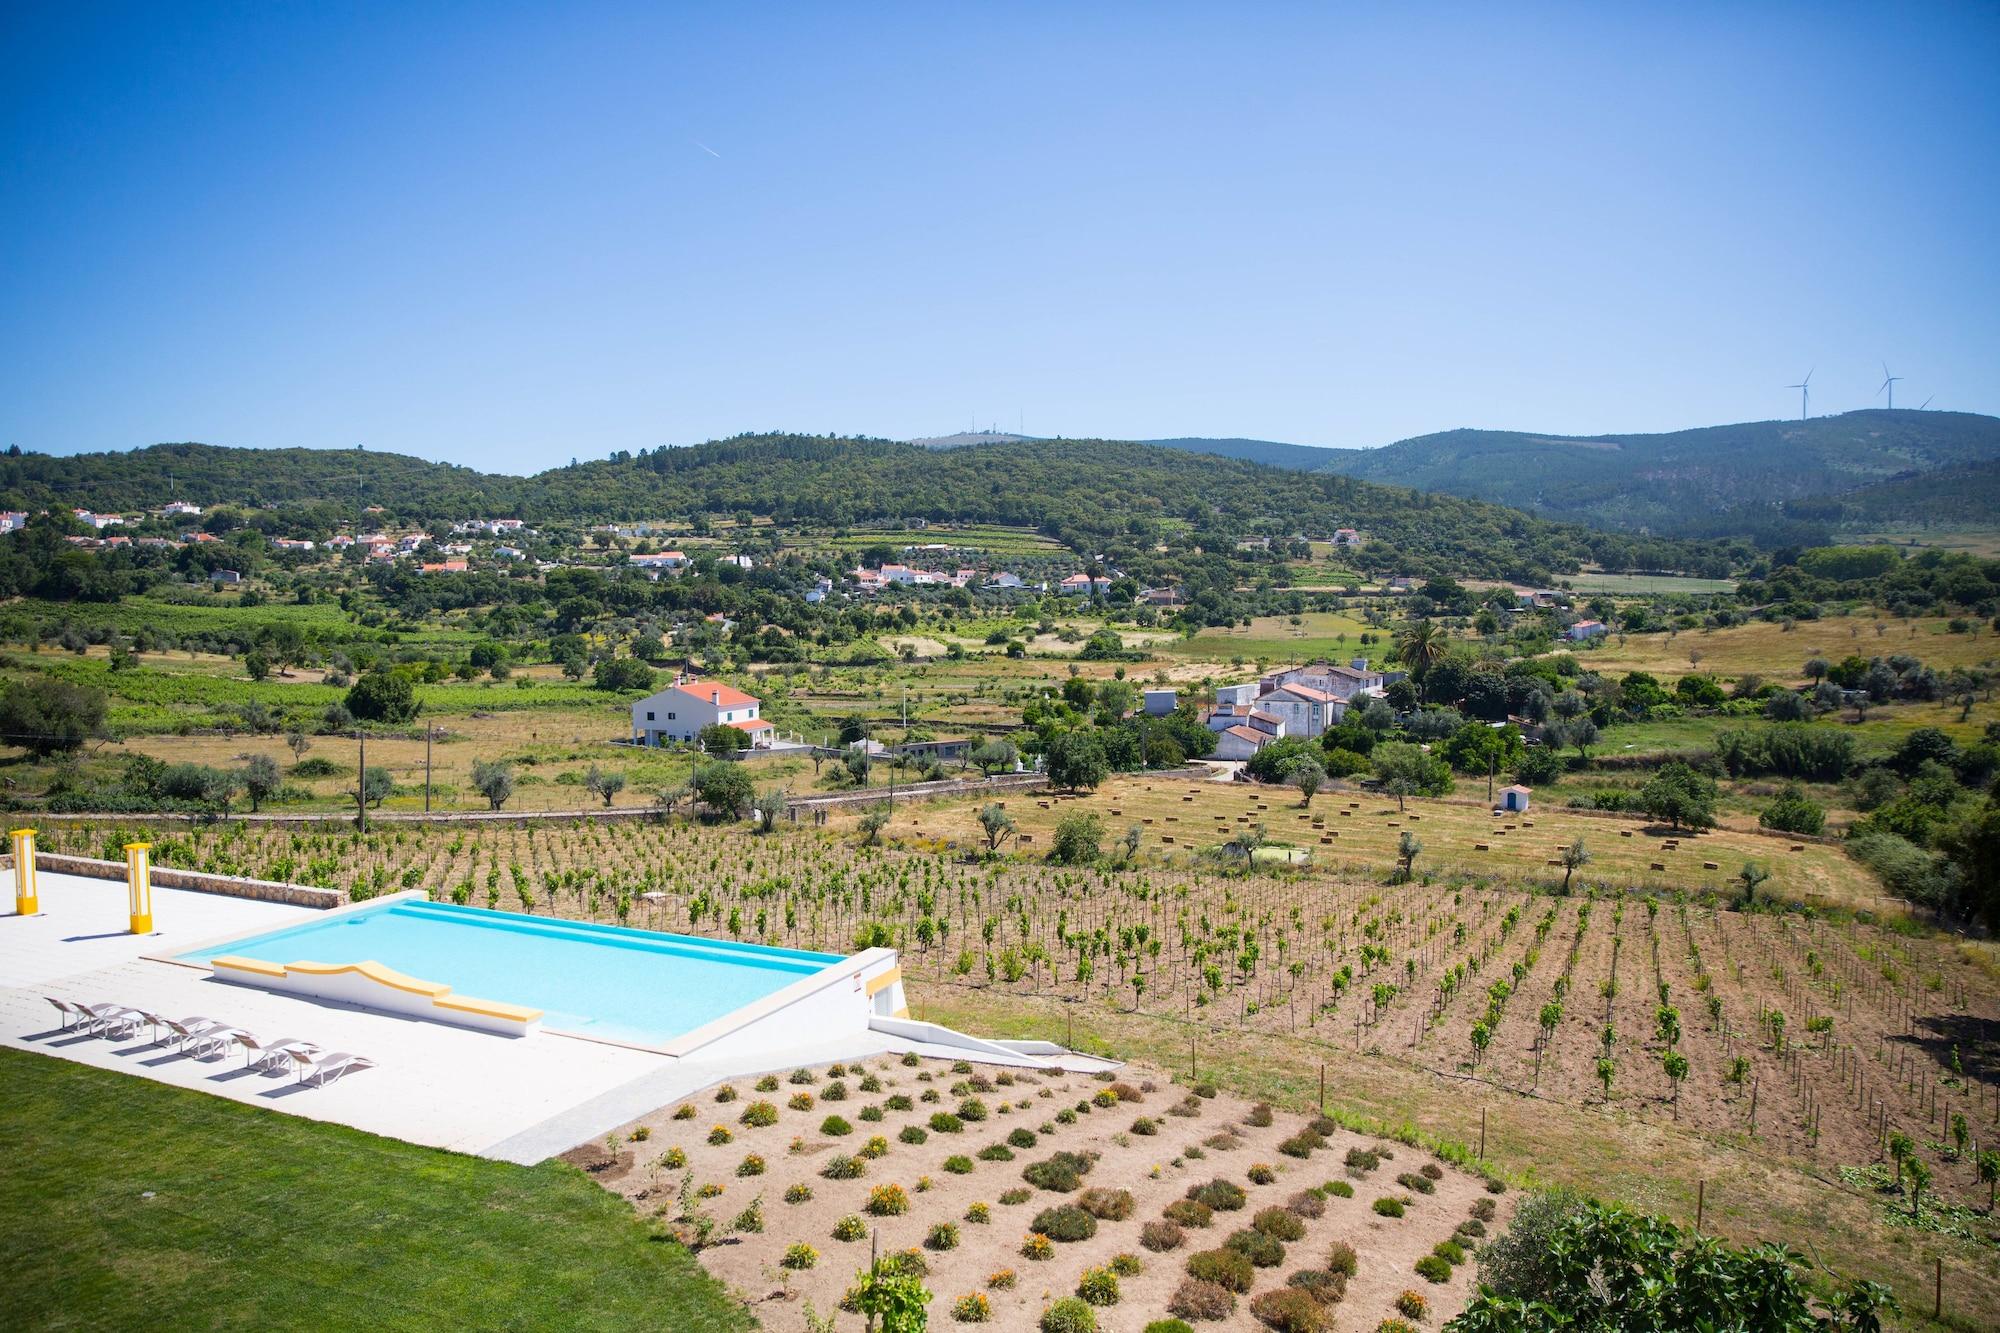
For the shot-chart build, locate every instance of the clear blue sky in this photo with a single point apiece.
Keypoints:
(492, 233)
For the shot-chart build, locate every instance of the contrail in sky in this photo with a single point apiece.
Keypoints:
(705, 148)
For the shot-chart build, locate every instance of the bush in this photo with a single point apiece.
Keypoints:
(842, 1167)
(1413, 1305)
(1417, 1184)
(1022, 1137)
(1066, 1223)
(798, 1192)
(1325, 1287)
(1450, 1251)
(1340, 1259)
(888, 1201)
(979, 1213)
(1221, 1195)
(1261, 1174)
(757, 1115)
(1340, 1189)
(958, 1164)
(1168, 1326)
(1145, 1127)
(1061, 1173)
(944, 1236)
(850, 1228)
(1098, 1286)
(835, 1091)
(1793, 812)
(1278, 1224)
(1388, 1207)
(1306, 1203)
(1432, 1171)
(973, 1308)
(799, 1257)
(996, 1152)
(1069, 1315)
(1362, 1160)
(1470, 1229)
(972, 1110)
(944, 1122)
(1107, 1205)
(1289, 1310)
(1484, 1209)
(1188, 1213)
(1038, 1247)
(720, 1135)
(1012, 1197)
(1225, 1268)
(834, 1127)
(1260, 1115)
(1197, 1298)
(877, 1146)
(1301, 1144)
(801, 1101)
(1159, 1237)
(913, 1134)
(1261, 1250)
(1001, 1279)
(1433, 1269)
(752, 1165)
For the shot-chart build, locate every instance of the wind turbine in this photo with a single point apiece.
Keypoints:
(1926, 403)
(1805, 392)
(1889, 383)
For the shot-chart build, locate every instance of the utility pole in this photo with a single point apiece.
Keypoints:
(361, 781)
(429, 732)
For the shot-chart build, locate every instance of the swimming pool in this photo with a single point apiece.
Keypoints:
(639, 986)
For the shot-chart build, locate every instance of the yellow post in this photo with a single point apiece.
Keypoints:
(139, 881)
(26, 901)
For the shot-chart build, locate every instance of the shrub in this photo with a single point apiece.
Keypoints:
(978, 1213)
(1301, 1144)
(1105, 1099)
(1395, 1326)
(913, 1134)
(1278, 1223)
(1187, 1107)
(834, 1127)
(1471, 1228)
(1261, 1250)
(720, 1135)
(751, 1165)
(1223, 1142)
(1168, 1326)
(685, 1111)
(888, 1201)
(1225, 1268)
(757, 1115)
(803, 1076)
(972, 1308)
(1022, 1137)
(1413, 1305)
(835, 1091)
(898, 1102)
(1188, 1213)
(1306, 1203)
(1289, 1310)
(798, 1192)
(1484, 1209)
(673, 1159)
(850, 1228)
(1197, 1298)
(1433, 1269)
(1001, 1279)
(972, 1110)
(1261, 1174)
(1450, 1251)
(1069, 1315)
(1145, 1126)
(1066, 1223)
(996, 1152)
(1159, 1237)
(908, 1263)
(1432, 1171)
(799, 1257)
(1325, 1287)
(1061, 1173)
(1037, 1246)
(1205, 1091)
(725, 1093)
(800, 1101)
(1098, 1286)
(1012, 1197)
(1415, 1183)
(1339, 1189)
(1340, 1259)
(1221, 1195)
(1260, 1115)
(944, 1122)
(1106, 1205)
(1361, 1161)
(877, 1146)
(943, 1236)
(958, 1164)
(1389, 1207)
(842, 1167)
(871, 1114)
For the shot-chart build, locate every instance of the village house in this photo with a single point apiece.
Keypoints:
(178, 509)
(1347, 538)
(509, 553)
(666, 562)
(817, 593)
(226, 577)
(679, 712)
(1240, 742)
(1161, 702)
(291, 544)
(1306, 711)
(444, 567)
(1586, 629)
(1083, 585)
(13, 520)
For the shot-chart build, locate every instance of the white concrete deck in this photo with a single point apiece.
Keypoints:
(518, 1099)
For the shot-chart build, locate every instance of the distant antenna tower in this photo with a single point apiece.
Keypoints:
(1804, 387)
(1889, 384)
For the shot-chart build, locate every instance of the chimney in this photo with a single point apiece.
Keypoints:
(715, 698)
(1360, 664)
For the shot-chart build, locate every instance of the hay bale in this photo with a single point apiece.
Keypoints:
(1658, 865)
(1710, 865)
(1480, 847)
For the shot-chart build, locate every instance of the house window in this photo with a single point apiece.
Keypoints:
(649, 717)
(670, 717)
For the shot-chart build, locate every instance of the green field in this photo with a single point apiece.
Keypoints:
(981, 537)
(132, 1205)
(1641, 585)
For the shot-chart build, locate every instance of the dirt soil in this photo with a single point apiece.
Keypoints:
(1156, 1169)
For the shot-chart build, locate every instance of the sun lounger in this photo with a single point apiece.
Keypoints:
(72, 1014)
(110, 1018)
(335, 1065)
(256, 1052)
(201, 1034)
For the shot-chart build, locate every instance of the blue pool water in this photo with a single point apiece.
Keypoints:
(638, 986)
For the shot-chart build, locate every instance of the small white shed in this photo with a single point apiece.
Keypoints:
(1514, 799)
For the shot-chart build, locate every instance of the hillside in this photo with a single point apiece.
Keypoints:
(1305, 457)
(1093, 495)
(1734, 479)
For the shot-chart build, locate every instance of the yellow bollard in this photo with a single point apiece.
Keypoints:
(26, 901)
(139, 882)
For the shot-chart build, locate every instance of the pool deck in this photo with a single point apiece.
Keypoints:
(517, 1099)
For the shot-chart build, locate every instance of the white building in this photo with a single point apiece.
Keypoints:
(1240, 742)
(1231, 695)
(1305, 710)
(1159, 703)
(679, 712)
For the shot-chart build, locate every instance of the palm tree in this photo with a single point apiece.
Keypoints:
(1420, 647)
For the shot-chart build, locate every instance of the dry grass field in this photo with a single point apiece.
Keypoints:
(1777, 653)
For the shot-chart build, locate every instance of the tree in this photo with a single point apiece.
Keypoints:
(893, 1295)
(1750, 876)
(299, 742)
(261, 780)
(604, 782)
(1482, 1037)
(873, 820)
(377, 783)
(622, 674)
(1681, 796)
(995, 756)
(1407, 771)
(770, 804)
(46, 716)
(721, 738)
(1078, 838)
(996, 823)
(493, 779)
(1306, 774)
(1407, 849)
(256, 665)
(724, 787)
(1793, 812)
(1134, 835)
(1076, 761)
(1574, 858)
(383, 696)
(1421, 646)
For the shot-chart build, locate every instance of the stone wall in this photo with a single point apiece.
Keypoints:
(197, 881)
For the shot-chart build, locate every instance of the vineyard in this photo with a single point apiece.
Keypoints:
(1820, 1036)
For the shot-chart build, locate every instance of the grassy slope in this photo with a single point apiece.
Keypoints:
(263, 1220)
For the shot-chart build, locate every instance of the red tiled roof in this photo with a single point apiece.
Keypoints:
(755, 724)
(726, 696)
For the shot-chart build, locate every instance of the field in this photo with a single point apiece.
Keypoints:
(1644, 585)
(1778, 653)
(1279, 639)
(132, 1205)
(814, 1154)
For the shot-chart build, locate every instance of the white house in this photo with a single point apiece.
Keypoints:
(666, 562)
(1161, 702)
(679, 712)
(1305, 710)
(1227, 695)
(1342, 682)
(819, 590)
(13, 520)
(173, 508)
(1081, 585)
(1005, 579)
(1240, 742)
(1586, 629)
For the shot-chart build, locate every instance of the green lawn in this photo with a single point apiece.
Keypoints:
(131, 1205)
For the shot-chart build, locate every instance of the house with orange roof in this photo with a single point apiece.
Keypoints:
(679, 712)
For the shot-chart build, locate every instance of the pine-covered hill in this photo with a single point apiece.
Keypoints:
(1092, 495)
